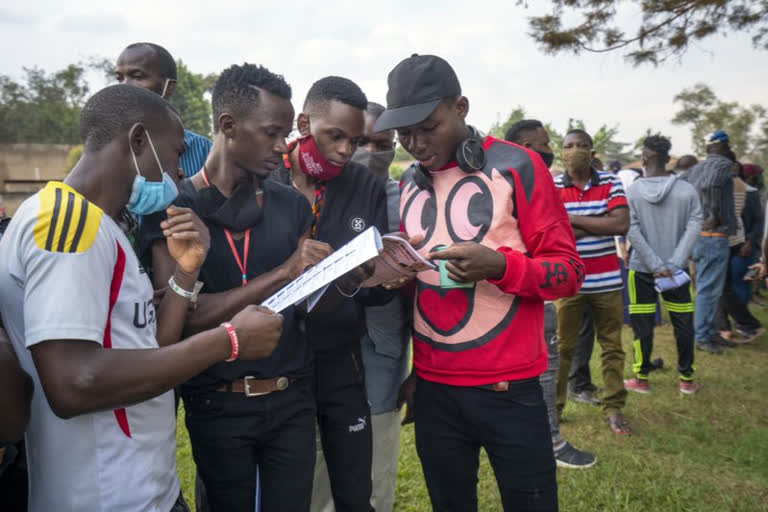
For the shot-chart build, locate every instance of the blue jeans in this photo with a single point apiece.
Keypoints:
(739, 267)
(548, 379)
(711, 255)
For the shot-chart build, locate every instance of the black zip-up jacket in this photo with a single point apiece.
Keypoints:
(752, 217)
(353, 201)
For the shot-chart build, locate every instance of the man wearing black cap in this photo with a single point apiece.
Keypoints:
(491, 219)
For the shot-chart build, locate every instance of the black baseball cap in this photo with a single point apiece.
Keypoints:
(416, 87)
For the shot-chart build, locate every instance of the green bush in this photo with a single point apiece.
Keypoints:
(395, 171)
(73, 156)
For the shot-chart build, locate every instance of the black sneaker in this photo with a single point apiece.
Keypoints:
(571, 458)
(711, 347)
(719, 340)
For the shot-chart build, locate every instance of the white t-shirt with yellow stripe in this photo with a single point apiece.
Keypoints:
(68, 272)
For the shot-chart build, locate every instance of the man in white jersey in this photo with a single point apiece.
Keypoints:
(78, 309)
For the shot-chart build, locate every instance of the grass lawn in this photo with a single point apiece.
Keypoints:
(707, 452)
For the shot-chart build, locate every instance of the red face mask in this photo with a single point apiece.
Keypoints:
(312, 162)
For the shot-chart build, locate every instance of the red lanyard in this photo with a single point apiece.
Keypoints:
(241, 264)
(317, 206)
(319, 194)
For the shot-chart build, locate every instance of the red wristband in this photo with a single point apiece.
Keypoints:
(233, 339)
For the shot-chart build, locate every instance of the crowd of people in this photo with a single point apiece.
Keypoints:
(135, 284)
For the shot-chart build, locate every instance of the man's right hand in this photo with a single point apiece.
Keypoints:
(258, 331)
(310, 252)
(579, 233)
(407, 396)
(761, 269)
(746, 249)
(187, 237)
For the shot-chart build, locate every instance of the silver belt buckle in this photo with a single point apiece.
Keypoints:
(246, 382)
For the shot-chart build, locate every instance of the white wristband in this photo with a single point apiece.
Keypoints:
(178, 290)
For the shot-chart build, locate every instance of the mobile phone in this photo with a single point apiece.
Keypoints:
(752, 274)
(445, 281)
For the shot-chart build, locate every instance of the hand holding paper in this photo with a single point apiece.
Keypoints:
(678, 279)
(309, 252)
(392, 258)
(398, 262)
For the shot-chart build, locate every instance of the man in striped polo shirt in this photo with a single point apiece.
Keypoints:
(598, 211)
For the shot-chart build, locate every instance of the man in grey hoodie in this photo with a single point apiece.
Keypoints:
(665, 220)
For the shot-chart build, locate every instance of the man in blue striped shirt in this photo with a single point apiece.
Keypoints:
(150, 66)
(597, 208)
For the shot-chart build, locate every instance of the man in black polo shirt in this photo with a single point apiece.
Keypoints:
(247, 415)
(346, 199)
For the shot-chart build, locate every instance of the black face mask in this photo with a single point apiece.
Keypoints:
(547, 157)
(378, 162)
(236, 213)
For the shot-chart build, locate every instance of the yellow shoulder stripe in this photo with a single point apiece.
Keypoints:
(66, 221)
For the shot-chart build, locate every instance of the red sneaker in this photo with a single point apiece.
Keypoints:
(688, 387)
(638, 385)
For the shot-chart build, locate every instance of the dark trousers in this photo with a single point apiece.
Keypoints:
(642, 312)
(606, 314)
(453, 423)
(580, 377)
(344, 419)
(180, 505)
(232, 434)
(13, 479)
(731, 302)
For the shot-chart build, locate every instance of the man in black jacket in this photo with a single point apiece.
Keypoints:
(346, 199)
(247, 415)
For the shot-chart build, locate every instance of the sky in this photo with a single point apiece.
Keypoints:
(498, 64)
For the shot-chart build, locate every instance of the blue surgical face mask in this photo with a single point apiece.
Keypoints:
(150, 196)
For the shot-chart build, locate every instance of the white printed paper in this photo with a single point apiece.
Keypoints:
(392, 256)
(356, 252)
(313, 299)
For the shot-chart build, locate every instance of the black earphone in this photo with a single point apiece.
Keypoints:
(470, 156)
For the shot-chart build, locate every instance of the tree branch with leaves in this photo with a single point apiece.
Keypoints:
(666, 27)
(704, 112)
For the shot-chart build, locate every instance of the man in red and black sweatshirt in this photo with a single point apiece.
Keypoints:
(491, 218)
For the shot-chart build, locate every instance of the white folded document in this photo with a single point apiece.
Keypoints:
(393, 258)
(678, 279)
